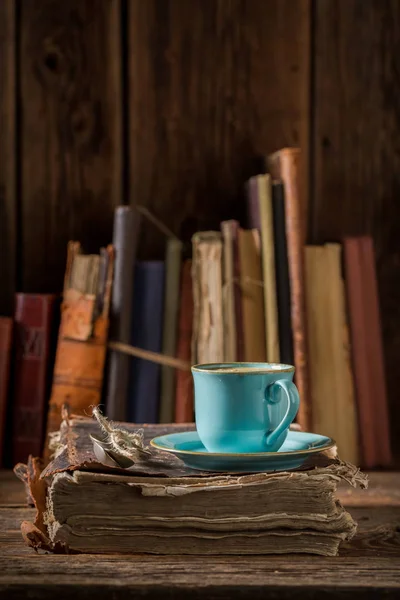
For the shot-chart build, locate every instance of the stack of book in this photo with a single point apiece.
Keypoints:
(159, 506)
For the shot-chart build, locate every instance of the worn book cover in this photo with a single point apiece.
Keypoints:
(285, 165)
(282, 274)
(367, 351)
(6, 327)
(83, 334)
(261, 217)
(228, 294)
(252, 295)
(125, 238)
(170, 327)
(146, 333)
(208, 326)
(33, 322)
(184, 399)
(332, 383)
(160, 506)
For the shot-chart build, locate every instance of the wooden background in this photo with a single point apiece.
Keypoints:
(168, 103)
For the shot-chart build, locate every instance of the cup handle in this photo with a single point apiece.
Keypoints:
(293, 401)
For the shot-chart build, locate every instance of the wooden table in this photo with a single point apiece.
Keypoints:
(368, 567)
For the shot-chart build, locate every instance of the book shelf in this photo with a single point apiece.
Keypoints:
(168, 103)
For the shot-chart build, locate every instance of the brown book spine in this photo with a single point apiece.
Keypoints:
(285, 165)
(376, 354)
(184, 381)
(6, 326)
(237, 292)
(359, 326)
(33, 321)
(79, 364)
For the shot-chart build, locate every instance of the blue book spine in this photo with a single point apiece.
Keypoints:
(147, 326)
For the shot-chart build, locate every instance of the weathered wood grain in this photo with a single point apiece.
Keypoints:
(383, 490)
(211, 84)
(70, 132)
(8, 173)
(12, 490)
(356, 147)
(288, 577)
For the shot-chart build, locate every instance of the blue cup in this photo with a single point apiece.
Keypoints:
(244, 407)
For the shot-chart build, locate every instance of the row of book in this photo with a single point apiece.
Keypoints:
(255, 293)
(259, 294)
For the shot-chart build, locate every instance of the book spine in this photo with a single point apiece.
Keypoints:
(358, 319)
(282, 274)
(125, 236)
(6, 328)
(230, 335)
(253, 204)
(172, 285)
(331, 384)
(81, 351)
(376, 354)
(184, 405)
(33, 321)
(268, 266)
(285, 165)
(252, 295)
(148, 305)
(208, 338)
(343, 397)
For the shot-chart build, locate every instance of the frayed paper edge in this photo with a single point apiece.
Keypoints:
(128, 444)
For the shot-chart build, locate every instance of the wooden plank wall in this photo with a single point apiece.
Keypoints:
(70, 131)
(356, 146)
(212, 84)
(168, 104)
(8, 141)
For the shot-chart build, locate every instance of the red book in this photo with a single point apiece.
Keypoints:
(184, 408)
(376, 354)
(33, 323)
(367, 351)
(5, 355)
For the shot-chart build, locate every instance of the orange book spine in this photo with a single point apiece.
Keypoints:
(81, 349)
(285, 165)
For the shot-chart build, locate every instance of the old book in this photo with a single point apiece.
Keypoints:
(125, 236)
(6, 328)
(228, 294)
(285, 165)
(148, 304)
(170, 327)
(184, 399)
(232, 293)
(159, 506)
(208, 335)
(332, 386)
(33, 321)
(282, 274)
(83, 334)
(376, 352)
(367, 351)
(261, 217)
(252, 295)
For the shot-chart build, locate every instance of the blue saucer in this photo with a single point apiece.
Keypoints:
(298, 447)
